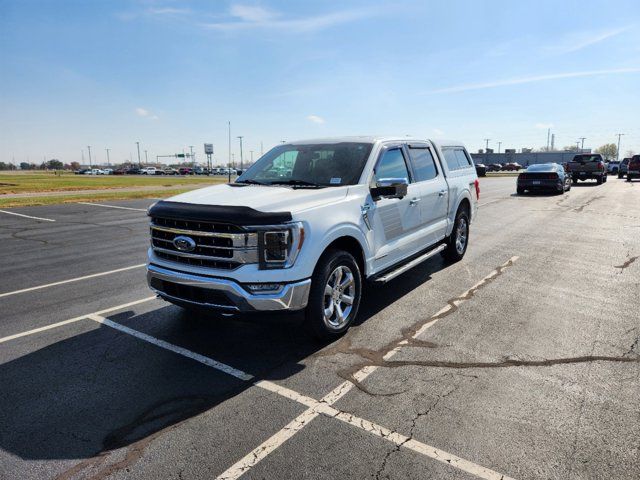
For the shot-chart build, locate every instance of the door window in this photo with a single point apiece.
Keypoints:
(424, 166)
(392, 165)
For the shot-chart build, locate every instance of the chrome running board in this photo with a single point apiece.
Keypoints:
(408, 266)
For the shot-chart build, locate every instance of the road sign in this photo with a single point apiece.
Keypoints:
(208, 148)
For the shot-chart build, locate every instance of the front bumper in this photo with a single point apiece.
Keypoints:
(223, 294)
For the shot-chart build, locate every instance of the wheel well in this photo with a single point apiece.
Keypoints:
(464, 204)
(351, 245)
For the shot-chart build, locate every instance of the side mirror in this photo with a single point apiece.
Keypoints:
(390, 188)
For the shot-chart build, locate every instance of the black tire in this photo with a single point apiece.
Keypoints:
(321, 327)
(520, 191)
(568, 186)
(629, 178)
(599, 181)
(575, 181)
(620, 175)
(453, 253)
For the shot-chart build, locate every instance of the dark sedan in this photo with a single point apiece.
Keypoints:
(481, 170)
(550, 177)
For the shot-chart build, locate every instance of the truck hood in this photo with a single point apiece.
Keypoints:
(264, 199)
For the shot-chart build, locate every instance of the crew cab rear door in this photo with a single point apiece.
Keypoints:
(395, 222)
(434, 192)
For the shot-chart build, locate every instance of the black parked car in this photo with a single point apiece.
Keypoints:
(550, 177)
(494, 167)
(481, 169)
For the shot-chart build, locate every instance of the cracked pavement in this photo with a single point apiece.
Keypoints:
(530, 368)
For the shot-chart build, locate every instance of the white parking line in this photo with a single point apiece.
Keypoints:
(112, 206)
(324, 406)
(27, 216)
(234, 372)
(75, 319)
(70, 280)
(315, 408)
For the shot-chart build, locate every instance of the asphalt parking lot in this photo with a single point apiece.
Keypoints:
(521, 361)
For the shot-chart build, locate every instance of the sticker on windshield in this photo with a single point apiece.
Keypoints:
(335, 181)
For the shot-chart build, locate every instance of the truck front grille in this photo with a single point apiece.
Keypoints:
(212, 245)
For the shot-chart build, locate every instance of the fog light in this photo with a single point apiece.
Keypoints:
(263, 287)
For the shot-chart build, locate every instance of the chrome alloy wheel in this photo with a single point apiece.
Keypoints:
(462, 232)
(339, 295)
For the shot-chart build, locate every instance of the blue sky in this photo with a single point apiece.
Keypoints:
(172, 73)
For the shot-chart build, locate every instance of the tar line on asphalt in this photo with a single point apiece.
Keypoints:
(28, 216)
(315, 407)
(71, 280)
(112, 206)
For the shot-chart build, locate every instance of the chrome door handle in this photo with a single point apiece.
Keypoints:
(414, 201)
(441, 193)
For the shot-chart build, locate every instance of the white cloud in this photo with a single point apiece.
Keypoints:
(544, 126)
(251, 17)
(248, 13)
(315, 119)
(168, 11)
(532, 79)
(437, 132)
(579, 40)
(143, 112)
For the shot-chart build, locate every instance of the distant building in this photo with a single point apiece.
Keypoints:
(524, 159)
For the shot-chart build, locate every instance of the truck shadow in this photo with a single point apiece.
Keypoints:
(101, 390)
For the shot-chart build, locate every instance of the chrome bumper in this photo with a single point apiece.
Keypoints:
(291, 296)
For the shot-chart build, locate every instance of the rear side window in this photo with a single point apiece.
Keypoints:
(450, 158)
(463, 159)
(456, 158)
(392, 165)
(424, 166)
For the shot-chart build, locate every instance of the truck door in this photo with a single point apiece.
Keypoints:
(395, 222)
(434, 192)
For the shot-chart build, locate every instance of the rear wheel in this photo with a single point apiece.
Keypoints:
(628, 177)
(334, 298)
(459, 238)
(520, 191)
(620, 175)
(599, 181)
(575, 181)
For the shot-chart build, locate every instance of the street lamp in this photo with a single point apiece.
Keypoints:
(146, 159)
(138, 145)
(108, 161)
(240, 137)
(89, 148)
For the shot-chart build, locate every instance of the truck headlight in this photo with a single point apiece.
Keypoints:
(279, 245)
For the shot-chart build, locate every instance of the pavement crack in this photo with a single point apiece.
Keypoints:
(587, 203)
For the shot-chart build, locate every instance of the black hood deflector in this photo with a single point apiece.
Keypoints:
(236, 215)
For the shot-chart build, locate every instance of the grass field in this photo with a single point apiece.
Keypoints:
(35, 200)
(50, 182)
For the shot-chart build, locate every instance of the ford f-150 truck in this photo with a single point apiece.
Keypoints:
(588, 167)
(309, 222)
(633, 168)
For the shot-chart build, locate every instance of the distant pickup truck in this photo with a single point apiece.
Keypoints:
(588, 167)
(633, 170)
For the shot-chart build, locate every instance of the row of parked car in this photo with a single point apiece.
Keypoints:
(559, 178)
(158, 171)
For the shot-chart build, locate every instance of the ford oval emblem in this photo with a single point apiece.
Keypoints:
(184, 244)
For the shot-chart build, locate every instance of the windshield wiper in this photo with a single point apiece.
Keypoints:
(299, 183)
(250, 182)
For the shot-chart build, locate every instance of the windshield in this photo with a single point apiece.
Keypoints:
(325, 165)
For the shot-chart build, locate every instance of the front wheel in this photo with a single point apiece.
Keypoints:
(334, 298)
(459, 238)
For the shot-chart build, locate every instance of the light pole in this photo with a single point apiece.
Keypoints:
(499, 145)
(582, 139)
(138, 145)
(108, 160)
(89, 148)
(486, 150)
(618, 152)
(193, 160)
(578, 146)
(240, 137)
(251, 156)
(146, 159)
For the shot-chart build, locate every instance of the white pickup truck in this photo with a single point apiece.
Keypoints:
(309, 222)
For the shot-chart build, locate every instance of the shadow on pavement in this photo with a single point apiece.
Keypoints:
(103, 389)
